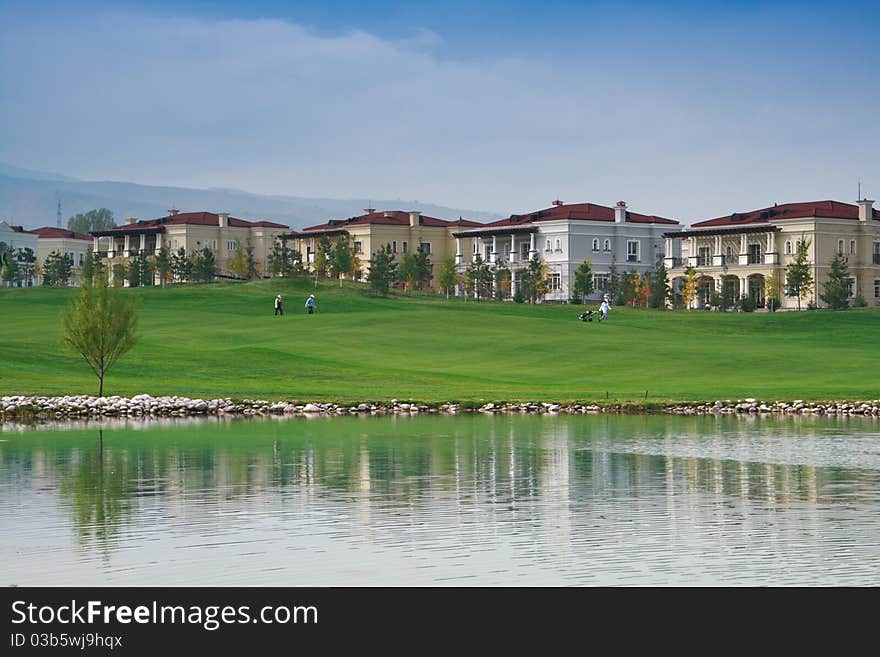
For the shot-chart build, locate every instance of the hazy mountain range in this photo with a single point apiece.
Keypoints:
(30, 198)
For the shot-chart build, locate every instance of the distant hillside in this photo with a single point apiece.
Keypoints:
(30, 198)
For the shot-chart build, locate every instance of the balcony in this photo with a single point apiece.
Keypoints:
(755, 259)
(671, 262)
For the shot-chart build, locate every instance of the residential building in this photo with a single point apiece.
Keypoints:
(404, 232)
(15, 238)
(191, 231)
(563, 236)
(66, 242)
(747, 248)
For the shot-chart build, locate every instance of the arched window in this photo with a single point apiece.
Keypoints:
(595, 245)
(787, 247)
(558, 244)
(607, 245)
(548, 246)
(840, 247)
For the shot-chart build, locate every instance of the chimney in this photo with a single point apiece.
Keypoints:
(620, 212)
(388, 214)
(172, 212)
(223, 220)
(369, 210)
(130, 220)
(866, 207)
(415, 218)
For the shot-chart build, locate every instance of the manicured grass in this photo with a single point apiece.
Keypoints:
(223, 340)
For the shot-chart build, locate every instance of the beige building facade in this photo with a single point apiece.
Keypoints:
(191, 231)
(404, 232)
(747, 249)
(66, 242)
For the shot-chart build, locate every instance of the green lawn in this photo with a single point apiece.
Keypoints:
(223, 340)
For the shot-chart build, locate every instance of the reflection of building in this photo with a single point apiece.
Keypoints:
(563, 236)
(66, 242)
(742, 250)
(191, 231)
(404, 232)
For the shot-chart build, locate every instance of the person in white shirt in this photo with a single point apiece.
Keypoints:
(603, 309)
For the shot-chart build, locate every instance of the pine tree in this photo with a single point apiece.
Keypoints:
(251, 261)
(341, 258)
(382, 270)
(181, 266)
(798, 278)
(205, 266)
(56, 269)
(661, 293)
(836, 288)
(163, 264)
(281, 259)
(583, 281)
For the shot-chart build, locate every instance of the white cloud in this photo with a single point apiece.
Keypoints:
(271, 106)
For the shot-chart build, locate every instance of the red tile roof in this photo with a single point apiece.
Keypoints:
(396, 218)
(19, 229)
(190, 219)
(828, 209)
(49, 231)
(580, 212)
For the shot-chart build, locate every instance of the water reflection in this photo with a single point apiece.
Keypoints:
(497, 500)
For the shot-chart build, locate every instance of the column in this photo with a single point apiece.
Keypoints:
(771, 247)
(458, 250)
(743, 252)
(127, 250)
(692, 251)
(143, 241)
(494, 255)
(512, 253)
(669, 256)
(96, 241)
(531, 245)
(512, 283)
(743, 286)
(717, 256)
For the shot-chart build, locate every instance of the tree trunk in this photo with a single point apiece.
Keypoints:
(100, 385)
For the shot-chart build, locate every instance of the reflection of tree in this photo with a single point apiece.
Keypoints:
(99, 492)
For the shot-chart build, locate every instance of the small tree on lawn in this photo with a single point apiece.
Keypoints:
(341, 258)
(181, 265)
(661, 293)
(100, 326)
(583, 281)
(238, 264)
(798, 278)
(56, 269)
(205, 265)
(27, 261)
(382, 270)
(448, 275)
(163, 264)
(773, 289)
(251, 260)
(689, 292)
(281, 259)
(836, 288)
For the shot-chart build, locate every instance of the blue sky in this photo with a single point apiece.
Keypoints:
(683, 109)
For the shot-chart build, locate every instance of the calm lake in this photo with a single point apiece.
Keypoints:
(470, 500)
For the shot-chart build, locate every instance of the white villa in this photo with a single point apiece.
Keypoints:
(563, 236)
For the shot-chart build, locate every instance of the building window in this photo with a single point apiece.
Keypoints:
(475, 246)
(877, 288)
(840, 247)
(876, 259)
(358, 247)
(403, 245)
(606, 246)
(851, 287)
(729, 255)
(754, 254)
(547, 245)
(632, 251)
(788, 247)
(702, 256)
(595, 245)
(558, 244)
(524, 250)
(601, 281)
(80, 259)
(176, 245)
(555, 282)
(852, 247)
(214, 245)
(393, 246)
(231, 245)
(425, 247)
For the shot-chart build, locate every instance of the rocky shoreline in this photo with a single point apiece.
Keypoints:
(146, 406)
